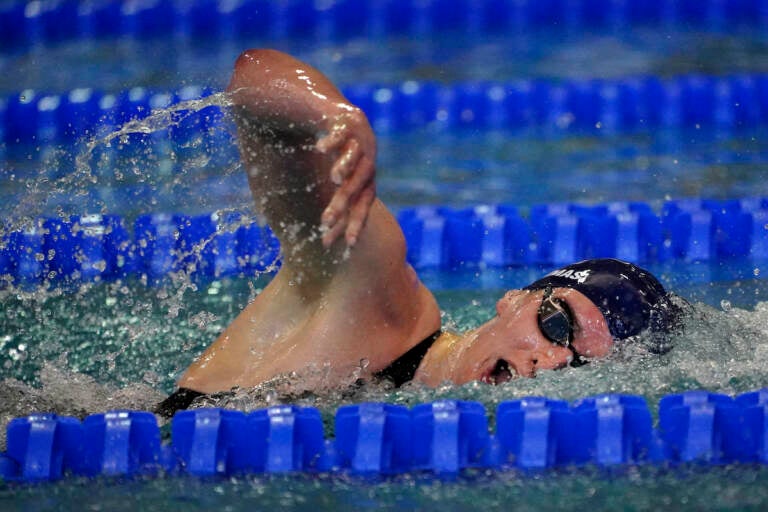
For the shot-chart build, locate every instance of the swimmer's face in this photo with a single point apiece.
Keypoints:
(511, 344)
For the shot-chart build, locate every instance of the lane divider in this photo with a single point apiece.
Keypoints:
(27, 23)
(90, 248)
(444, 438)
(561, 233)
(722, 103)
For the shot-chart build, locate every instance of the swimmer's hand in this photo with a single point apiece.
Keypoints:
(351, 138)
(274, 88)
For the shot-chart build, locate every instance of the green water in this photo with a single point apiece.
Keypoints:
(625, 489)
(124, 344)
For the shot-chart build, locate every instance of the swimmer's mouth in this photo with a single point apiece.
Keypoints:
(501, 372)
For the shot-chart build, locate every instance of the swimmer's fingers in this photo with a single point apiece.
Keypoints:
(332, 233)
(346, 127)
(359, 213)
(346, 162)
(351, 188)
(350, 224)
(333, 140)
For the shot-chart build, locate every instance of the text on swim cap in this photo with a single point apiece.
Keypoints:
(580, 276)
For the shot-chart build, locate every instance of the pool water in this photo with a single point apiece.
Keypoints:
(640, 489)
(426, 166)
(123, 344)
(142, 173)
(129, 340)
(170, 63)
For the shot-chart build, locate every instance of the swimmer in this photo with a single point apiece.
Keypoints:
(345, 295)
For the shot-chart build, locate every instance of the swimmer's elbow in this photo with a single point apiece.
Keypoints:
(260, 57)
(277, 89)
(250, 67)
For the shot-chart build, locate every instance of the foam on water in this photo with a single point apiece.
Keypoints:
(122, 346)
(721, 351)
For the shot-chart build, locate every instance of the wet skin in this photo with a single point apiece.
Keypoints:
(345, 293)
(308, 154)
(512, 344)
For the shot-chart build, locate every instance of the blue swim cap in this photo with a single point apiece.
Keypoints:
(630, 298)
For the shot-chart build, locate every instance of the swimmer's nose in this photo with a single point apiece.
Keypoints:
(544, 356)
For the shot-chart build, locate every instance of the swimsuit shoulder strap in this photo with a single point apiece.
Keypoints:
(181, 399)
(402, 369)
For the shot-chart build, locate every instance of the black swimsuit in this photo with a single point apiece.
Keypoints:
(181, 399)
(404, 367)
(400, 371)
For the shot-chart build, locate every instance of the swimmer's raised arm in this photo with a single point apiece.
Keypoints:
(278, 94)
(328, 312)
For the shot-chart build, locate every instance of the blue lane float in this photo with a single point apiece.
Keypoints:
(119, 443)
(444, 438)
(90, 248)
(556, 234)
(373, 438)
(28, 23)
(601, 106)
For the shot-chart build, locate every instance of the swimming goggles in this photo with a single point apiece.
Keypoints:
(556, 323)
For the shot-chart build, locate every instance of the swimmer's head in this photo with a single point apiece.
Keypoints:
(571, 316)
(631, 299)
